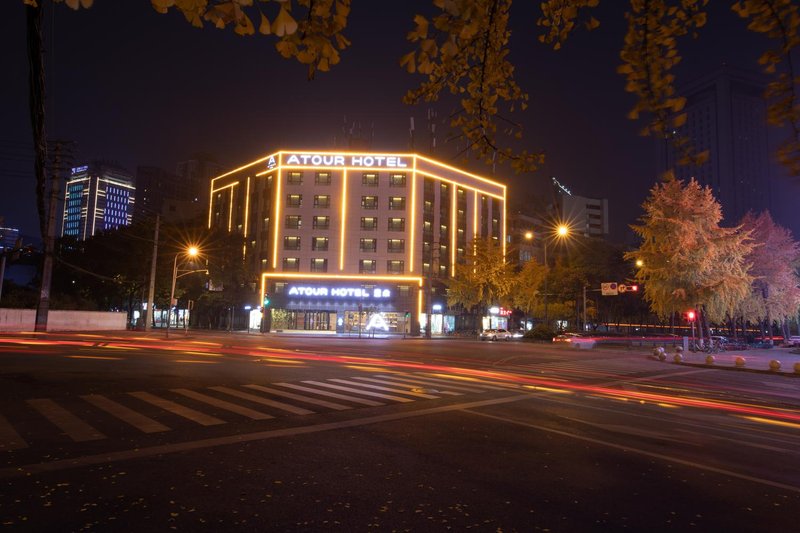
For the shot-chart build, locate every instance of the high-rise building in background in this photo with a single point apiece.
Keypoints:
(196, 174)
(154, 186)
(99, 197)
(726, 115)
(8, 237)
(583, 215)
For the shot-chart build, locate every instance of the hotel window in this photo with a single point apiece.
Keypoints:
(395, 266)
(397, 203)
(367, 266)
(397, 224)
(322, 178)
(403, 290)
(294, 200)
(294, 178)
(319, 244)
(291, 264)
(322, 200)
(293, 221)
(291, 243)
(320, 222)
(368, 245)
(319, 265)
(397, 180)
(369, 223)
(396, 245)
(369, 202)
(370, 179)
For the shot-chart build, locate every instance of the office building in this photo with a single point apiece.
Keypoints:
(726, 114)
(347, 241)
(99, 197)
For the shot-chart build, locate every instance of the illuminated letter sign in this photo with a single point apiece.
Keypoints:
(339, 292)
(271, 162)
(340, 160)
(376, 321)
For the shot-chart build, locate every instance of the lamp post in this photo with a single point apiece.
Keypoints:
(192, 251)
(561, 232)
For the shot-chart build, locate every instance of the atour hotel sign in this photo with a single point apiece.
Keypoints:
(339, 292)
(340, 160)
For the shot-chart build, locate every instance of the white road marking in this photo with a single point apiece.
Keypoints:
(222, 404)
(353, 399)
(306, 399)
(9, 438)
(74, 427)
(263, 401)
(178, 409)
(126, 414)
(358, 391)
(387, 389)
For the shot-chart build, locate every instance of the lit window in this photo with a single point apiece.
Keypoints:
(322, 178)
(321, 222)
(319, 265)
(369, 202)
(397, 180)
(294, 200)
(369, 223)
(294, 178)
(319, 244)
(396, 245)
(291, 243)
(291, 264)
(397, 224)
(322, 200)
(395, 266)
(397, 203)
(368, 245)
(367, 266)
(370, 179)
(293, 221)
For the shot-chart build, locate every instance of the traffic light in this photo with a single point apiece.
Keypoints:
(633, 288)
(690, 316)
(408, 315)
(266, 300)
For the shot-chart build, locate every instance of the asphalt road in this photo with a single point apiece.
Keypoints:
(234, 432)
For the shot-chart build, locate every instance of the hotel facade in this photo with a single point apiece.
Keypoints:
(355, 242)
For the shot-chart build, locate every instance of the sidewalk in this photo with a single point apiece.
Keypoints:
(755, 360)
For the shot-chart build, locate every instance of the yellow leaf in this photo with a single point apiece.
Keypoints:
(244, 26)
(592, 23)
(264, 27)
(408, 61)
(162, 5)
(284, 24)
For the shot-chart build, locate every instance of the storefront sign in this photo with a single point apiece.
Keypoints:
(377, 321)
(342, 160)
(339, 292)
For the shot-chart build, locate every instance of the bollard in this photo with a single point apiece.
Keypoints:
(678, 357)
(774, 365)
(740, 361)
(709, 359)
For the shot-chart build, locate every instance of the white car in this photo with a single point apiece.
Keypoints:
(495, 334)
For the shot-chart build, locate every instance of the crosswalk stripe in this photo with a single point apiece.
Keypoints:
(418, 379)
(409, 384)
(329, 394)
(9, 438)
(126, 414)
(358, 391)
(222, 404)
(263, 401)
(74, 427)
(492, 385)
(306, 399)
(387, 389)
(178, 409)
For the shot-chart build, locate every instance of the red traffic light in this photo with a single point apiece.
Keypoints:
(690, 316)
(633, 288)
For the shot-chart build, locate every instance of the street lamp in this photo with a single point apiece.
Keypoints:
(192, 251)
(561, 232)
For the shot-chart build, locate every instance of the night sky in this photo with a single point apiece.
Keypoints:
(130, 85)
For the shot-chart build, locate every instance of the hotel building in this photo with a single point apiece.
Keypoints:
(354, 242)
(99, 197)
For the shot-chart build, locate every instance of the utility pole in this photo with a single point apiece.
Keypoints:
(148, 321)
(43, 306)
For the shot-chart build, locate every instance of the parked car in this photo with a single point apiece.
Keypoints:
(495, 334)
(793, 340)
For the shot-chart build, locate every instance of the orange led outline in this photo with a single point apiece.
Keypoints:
(246, 207)
(459, 171)
(463, 185)
(342, 221)
(277, 216)
(454, 204)
(243, 167)
(475, 217)
(412, 236)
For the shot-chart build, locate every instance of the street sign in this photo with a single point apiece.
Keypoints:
(609, 289)
(621, 288)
